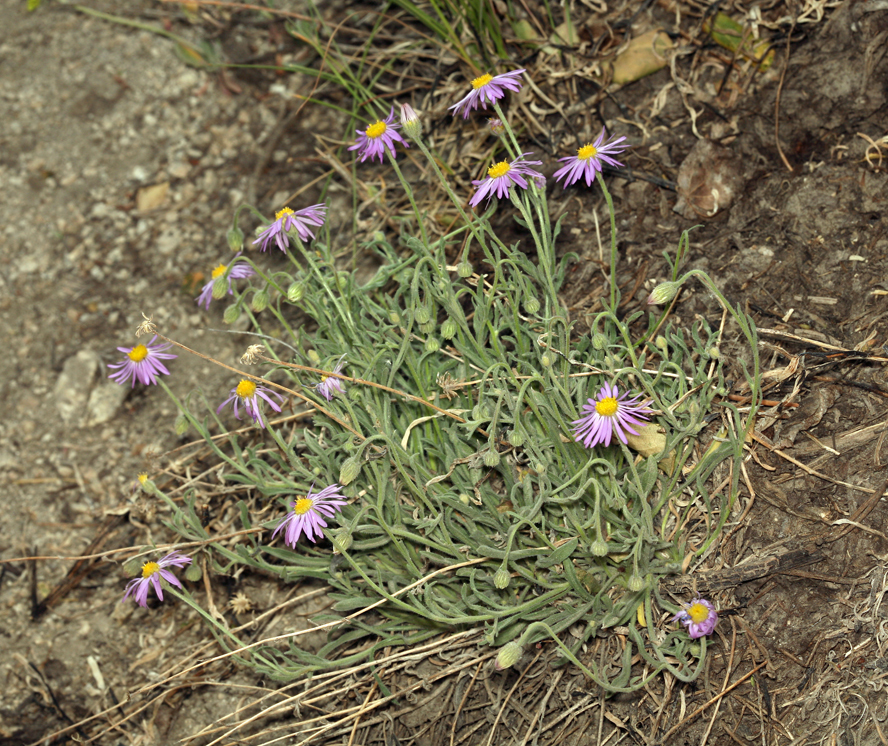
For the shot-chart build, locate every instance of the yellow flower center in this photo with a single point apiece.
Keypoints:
(698, 613)
(245, 389)
(500, 169)
(143, 477)
(303, 505)
(587, 152)
(482, 81)
(283, 213)
(376, 130)
(149, 568)
(138, 353)
(607, 407)
(219, 271)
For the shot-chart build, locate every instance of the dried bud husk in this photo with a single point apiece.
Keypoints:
(295, 292)
(410, 123)
(193, 573)
(502, 578)
(448, 329)
(232, 314)
(349, 471)
(235, 238)
(464, 269)
(260, 301)
(508, 655)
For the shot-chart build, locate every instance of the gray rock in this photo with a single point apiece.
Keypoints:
(73, 386)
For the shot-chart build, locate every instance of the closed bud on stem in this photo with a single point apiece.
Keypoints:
(182, 425)
(546, 360)
(516, 438)
(663, 293)
(314, 357)
(394, 317)
(260, 301)
(532, 305)
(235, 238)
(464, 269)
(193, 573)
(349, 471)
(232, 314)
(508, 655)
(220, 287)
(491, 459)
(599, 341)
(448, 329)
(428, 327)
(342, 540)
(636, 583)
(410, 122)
(502, 578)
(600, 548)
(422, 315)
(295, 292)
(432, 344)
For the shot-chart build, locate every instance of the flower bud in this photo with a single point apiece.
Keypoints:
(410, 122)
(481, 412)
(496, 126)
(464, 498)
(432, 345)
(546, 360)
(260, 301)
(394, 317)
(193, 573)
(532, 305)
(422, 315)
(428, 328)
(464, 269)
(714, 353)
(295, 292)
(448, 329)
(342, 540)
(599, 341)
(663, 293)
(182, 425)
(232, 314)
(516, 438)
(314, 357)
(349, 470)
(502, 578)
(235, 238)
(600, 548)
(661, 343)
(636, 583)
(220, 287)
(491, 459)
(508, 655)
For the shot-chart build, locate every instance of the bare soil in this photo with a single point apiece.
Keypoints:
(120, 169)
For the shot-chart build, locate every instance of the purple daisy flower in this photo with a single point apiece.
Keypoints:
(377, 137)
(486, 90)
(331, 383)
(239, 272)
(142, 362)
(608, 414)
(587, 161)
(699, 616)
(502, 175)
(308, 514)
(152, 574)
(286, 220)
(248, 393)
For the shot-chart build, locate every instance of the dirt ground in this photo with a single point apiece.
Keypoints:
(120, 168)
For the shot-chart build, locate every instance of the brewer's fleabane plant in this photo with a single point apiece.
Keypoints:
(142, 363)
(152, 575)
(489, 467)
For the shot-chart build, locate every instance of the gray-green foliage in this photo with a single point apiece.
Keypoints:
(542, 534)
